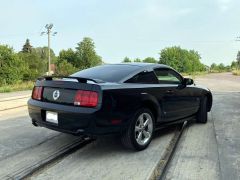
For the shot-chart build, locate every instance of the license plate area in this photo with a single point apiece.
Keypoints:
(52, 117)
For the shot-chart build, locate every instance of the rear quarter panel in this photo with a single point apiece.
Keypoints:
(123, 100)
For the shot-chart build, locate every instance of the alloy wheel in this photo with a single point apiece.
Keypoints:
(143, 128)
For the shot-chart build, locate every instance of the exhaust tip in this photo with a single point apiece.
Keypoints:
(34, 123)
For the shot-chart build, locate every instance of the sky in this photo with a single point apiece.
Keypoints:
(133, 28)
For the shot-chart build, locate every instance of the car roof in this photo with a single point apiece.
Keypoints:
(127, 70)
(141, 64)
(142, 67)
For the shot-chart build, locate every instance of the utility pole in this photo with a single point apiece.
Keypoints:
(49, 33)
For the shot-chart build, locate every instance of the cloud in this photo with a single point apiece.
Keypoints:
(224, 5)
(161, 10)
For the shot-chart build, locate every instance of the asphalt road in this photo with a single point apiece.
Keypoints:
(205, 151)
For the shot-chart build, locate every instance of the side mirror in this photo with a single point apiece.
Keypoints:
(188, 81)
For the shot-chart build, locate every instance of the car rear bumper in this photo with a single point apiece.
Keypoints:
(72, 119)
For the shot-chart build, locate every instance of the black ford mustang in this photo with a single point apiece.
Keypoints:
(131, 99)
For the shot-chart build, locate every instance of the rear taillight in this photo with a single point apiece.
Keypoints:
(86, 98)
(37, 93)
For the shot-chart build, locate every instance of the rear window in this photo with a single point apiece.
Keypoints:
(108, 73)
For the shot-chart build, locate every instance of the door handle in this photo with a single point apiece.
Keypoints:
(169, 91)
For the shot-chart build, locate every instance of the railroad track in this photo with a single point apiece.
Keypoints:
(13, 98)
(15, 107)
(13, 103)
(43, 164)
(161, 168)
(27, 171)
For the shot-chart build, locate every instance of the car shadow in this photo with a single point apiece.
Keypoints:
(106, 145)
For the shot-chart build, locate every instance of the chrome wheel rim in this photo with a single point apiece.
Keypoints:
(143, 129)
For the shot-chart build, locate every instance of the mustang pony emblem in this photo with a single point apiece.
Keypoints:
(56, 94)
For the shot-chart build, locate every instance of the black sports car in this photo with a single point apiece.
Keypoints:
(130, 99)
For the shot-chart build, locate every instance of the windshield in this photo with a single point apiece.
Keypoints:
(108, 73)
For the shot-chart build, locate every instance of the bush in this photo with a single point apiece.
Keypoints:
(181, 59)
(35, 65)
(236, 72)
(64, 68)
(11, 67)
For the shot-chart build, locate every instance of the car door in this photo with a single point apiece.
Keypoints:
(177, 101)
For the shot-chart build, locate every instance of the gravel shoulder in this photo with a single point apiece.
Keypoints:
(15, 94)
(220, 82)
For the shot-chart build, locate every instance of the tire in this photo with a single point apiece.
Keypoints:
(202, 112)
(140, 131)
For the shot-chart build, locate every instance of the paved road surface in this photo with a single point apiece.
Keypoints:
(226, 113)
(212, 151)
(220, 82)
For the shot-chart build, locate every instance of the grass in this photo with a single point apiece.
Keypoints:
(17, 87)
(236, 72)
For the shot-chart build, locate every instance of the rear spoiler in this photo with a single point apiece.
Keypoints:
(79, 79)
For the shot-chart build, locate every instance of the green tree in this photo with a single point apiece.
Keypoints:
(27, 48)
(181, 59)
(126, 60)
(150, 60)
(214, 66)
(86, 54)
(11, 67)
(194, 59)
(238, 60)
(35, 66)
(69, 55)
(137, 60)
(65, 68)
(234, 65)
(43, 53)
(228, 68)
(171, 57)
(221, 67)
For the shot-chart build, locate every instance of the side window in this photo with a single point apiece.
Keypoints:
(144, 78)
(168, 76)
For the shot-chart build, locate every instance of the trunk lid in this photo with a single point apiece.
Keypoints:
(63, 91)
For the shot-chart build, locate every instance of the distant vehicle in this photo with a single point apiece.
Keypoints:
(129, 99)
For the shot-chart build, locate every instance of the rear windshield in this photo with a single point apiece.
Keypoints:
(108, 73)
